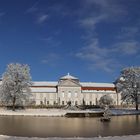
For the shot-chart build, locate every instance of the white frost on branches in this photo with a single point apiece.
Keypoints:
(106, 100)
(128, 84)
(15, 84)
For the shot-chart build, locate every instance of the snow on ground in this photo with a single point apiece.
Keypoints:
(43, 112)
(130, 137)
(62, 112)
(34, 112)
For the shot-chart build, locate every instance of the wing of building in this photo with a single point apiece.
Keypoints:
(69, 89)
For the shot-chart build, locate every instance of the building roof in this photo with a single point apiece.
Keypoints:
(68, 76)
(91, 84)
(44, 83)
(83, 84)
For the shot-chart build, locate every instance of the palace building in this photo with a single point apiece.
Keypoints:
(69, 89)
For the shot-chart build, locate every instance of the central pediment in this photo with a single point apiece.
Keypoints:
(69, 83)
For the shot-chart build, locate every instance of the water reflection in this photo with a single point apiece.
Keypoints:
(68, 127)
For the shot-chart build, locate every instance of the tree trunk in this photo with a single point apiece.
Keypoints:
(137, 106)
(14, 101)
(136, 101)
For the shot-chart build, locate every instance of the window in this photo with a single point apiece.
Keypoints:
(90, 103)
(63, 94)
(69, 94)
(76, 103)
(76, 94)
(54, 102)
(63, 102)
(47, 102)
(41, 103)
(96, 101)
(33, 102)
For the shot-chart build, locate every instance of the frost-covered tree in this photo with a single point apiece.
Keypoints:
(128, 84)
(15, 88)
(106, 100)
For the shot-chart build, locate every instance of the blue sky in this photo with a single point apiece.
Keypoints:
(91, 39)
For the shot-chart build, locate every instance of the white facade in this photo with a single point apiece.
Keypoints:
(69, 88)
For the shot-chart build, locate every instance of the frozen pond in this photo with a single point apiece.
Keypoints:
(68, 127)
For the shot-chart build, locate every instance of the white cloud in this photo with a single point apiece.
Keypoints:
(90, 22)
(127, 47)
(128, 32)
(39, 14)
(33, 8)
(42, 18)
(107, 59)
(98, 58)
(95, 11)
(92, 51)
